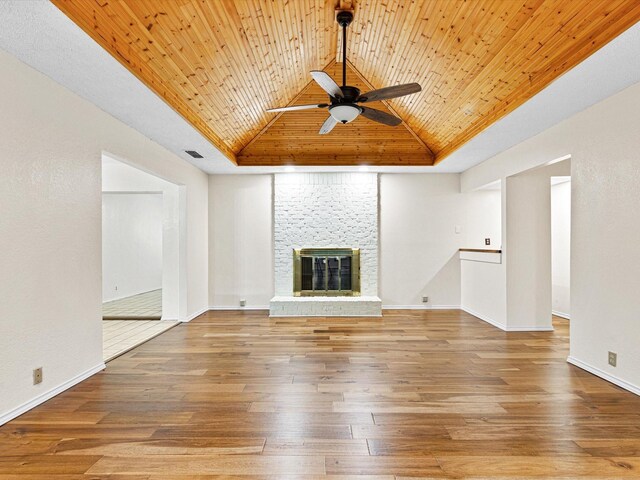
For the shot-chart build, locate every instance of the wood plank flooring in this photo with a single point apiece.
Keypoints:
(416, 394)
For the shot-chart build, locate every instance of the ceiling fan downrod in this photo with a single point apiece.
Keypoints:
(344, 19)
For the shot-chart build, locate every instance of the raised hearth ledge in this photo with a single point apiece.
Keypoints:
(290, 306)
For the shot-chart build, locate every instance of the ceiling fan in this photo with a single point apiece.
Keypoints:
(344, 102)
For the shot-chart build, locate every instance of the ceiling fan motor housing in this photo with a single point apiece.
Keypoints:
(350, 94)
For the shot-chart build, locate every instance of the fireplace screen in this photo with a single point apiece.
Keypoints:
(326, 271)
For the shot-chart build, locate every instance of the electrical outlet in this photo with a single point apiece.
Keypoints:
(243, 302)
(613, 359)
(425, 299)
(37, 375)
(487, 241)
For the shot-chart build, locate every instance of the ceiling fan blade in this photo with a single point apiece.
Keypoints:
(327, 83)
(380, 117)
(390, 92)
(298, 107)
(328, 125)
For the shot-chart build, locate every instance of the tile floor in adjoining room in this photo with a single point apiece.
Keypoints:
(120, 336)
(146, 305)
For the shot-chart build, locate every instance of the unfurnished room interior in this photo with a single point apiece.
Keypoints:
(305, 239)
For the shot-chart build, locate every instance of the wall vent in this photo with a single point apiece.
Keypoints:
(194, 154)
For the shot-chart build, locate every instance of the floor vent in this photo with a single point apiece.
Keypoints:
(194, 154)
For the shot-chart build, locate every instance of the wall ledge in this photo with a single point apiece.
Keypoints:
(604, 375)
(25, 407)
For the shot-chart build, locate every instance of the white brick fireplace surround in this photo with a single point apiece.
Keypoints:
(325, 210)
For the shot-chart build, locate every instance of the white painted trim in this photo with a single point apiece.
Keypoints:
(421, 307)
(534, 328)
(25, 407)
(324, 315)
(604, 375)
(194, 315)
(561, 314)
(220, 307)
(485, 318)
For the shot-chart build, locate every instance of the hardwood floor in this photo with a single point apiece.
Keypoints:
(429, 394)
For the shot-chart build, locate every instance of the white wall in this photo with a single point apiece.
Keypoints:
(528, 251)
(51, 144)
(131, 244)
(483, 218)
(561, 247)
(419, 245)
(483, 288)
(418, 240)
(240, 240)
(605, 260)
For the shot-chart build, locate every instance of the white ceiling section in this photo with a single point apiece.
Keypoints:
(40, 35)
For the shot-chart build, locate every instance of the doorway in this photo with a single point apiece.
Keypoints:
(141, 256)
(560, 246)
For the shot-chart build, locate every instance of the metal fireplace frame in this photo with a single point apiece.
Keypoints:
(300, 253)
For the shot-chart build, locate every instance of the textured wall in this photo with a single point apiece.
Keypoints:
(51, 145)
(603, 143)
(131, 244)
(326, 210)
(240, 240)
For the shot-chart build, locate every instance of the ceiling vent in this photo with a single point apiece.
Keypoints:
(194, 154)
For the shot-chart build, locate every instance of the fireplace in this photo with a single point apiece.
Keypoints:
(330, 272)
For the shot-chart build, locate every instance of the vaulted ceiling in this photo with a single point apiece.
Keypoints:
(222, 63)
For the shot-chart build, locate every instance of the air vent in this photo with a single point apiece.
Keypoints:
(194, 154)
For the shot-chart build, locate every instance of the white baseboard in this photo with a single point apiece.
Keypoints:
(421, 307)
(534, 328)
(196, 314)
(604, 375)
(258, 307)
(484, 318)
(325, 315)
(491, 321)
(561, 314)
(43, 397)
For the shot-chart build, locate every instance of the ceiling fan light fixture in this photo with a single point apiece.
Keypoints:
(344, 113)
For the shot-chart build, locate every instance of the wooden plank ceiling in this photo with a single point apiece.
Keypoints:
(222, 63)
